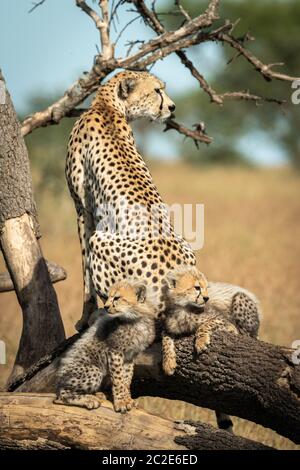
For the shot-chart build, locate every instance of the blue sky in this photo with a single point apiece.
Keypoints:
(45, 51)
(50, 47)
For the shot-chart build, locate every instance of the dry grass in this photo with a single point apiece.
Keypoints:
(252, 234)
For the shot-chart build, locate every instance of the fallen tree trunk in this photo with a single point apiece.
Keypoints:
(31, 421)
(56, 273)
(246, 378)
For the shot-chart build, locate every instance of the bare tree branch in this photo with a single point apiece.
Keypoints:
(182, 10)
(167, 42)
(107, 46)
(114, 11)
(102, 24)
(56, 273)
(36, 5)
(126, 26)
(264, 69)
(246, 95)
(214, 96)
(152, 51)
(131, 44)
(198, 135)
(90, 12)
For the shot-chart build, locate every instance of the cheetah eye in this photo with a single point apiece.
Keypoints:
(157, 90)
(117, 298)
(197, 288)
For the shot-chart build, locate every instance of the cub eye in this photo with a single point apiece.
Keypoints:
(198, 288)
(117, 298)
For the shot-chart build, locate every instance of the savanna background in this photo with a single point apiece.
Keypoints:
(248, 179)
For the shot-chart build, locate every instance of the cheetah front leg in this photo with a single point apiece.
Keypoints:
(72, 398)
(128, 374)
(85, 230)
(169, 363)
(121, 392)
(208, 327)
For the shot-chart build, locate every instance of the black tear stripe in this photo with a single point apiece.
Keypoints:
(161, 101)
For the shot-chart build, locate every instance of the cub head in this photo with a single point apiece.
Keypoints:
(143, 95)
(187, 287)
(126, 299)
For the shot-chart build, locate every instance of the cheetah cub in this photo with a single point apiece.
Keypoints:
(108, 347)
(194, 305)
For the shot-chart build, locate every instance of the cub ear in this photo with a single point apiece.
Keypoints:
(171, 279)
(141, 293)
(126, 87)
(203, 280)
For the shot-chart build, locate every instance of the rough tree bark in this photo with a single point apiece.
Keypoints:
(19, 229)
(56, 272)
(23, 426)
(246, 378)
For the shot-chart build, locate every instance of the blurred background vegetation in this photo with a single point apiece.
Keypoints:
(240, 127)
(243, 133)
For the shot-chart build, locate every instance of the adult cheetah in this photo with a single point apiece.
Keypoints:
(115, 197)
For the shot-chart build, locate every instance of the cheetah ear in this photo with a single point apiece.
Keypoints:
(141, 293)
(203, 278)
(126, 87)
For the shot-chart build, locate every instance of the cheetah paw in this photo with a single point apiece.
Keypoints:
(59, 401)
(201, 343)
(91, 403)
(124, 405)
(169, 365)
(101, 396)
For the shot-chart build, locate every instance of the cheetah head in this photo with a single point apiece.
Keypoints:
(127, 300)
(187, 287)
(141, 95)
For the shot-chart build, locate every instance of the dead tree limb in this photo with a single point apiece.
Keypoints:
(42, 325)
(193, 31)
(56, 272)
(23, 426)
(246, 378)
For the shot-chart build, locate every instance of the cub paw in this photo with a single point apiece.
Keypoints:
(91, 403)
(59, 401)
(169, 365)
(124, 405)
(101, 396)
(202, 342)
